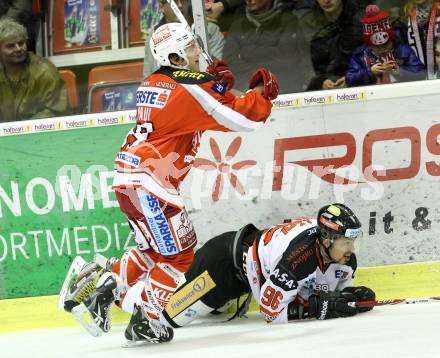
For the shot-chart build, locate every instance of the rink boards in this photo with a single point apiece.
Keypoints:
(374, 148)
(389, 282)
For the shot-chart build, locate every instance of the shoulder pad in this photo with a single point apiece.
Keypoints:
(300, 255)
(298, 260)
(243, 238)
(247, 231)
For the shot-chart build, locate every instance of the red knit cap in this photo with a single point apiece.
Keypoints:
(376, 26)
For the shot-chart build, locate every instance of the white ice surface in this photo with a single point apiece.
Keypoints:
(389, 331)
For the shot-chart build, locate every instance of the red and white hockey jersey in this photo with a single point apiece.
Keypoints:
(174, 107)
(285, 264)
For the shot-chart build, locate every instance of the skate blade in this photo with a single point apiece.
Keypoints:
(75, 268)
(101, 260)
(83, 316)
(135, 344)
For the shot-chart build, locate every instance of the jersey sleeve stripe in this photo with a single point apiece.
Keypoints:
(224, 115)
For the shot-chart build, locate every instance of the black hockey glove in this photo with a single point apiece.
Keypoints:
(328, 305)
(295, 310)
(361, 293)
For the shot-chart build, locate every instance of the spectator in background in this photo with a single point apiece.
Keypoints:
(267, 35)
(419, 28)
(381, 59)
(223, 12)
(21, 11)
(388, 5)
(394, 8)
(333, 30)
(437, 58)
(30, 86)
(299, 6)
(215, 38)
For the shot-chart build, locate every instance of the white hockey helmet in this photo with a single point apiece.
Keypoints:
(170, 38)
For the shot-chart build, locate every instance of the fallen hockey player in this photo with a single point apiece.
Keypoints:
(296, 270)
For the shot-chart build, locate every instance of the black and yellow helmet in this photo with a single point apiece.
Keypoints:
(338, 220)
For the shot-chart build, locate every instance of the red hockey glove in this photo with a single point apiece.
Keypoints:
(269, 80)
(222, 73)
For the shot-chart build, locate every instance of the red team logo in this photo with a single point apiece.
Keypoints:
(224, 166)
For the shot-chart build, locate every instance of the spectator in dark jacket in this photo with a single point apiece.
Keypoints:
(223, 12)
(388, 5)
(333, 30)
(381, 59)
(267, 35)
(21, 12)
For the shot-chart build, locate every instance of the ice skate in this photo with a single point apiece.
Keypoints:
(142, 329)
(98, 305)
(81, 280)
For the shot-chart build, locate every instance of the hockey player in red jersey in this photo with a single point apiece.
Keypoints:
(296, 270)
(175, 105)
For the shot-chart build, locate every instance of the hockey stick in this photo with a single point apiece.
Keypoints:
(395, 301)
(182, 19)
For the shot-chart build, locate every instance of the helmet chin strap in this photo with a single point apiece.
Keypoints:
(181, 67)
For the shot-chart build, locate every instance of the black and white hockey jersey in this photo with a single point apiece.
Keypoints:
(285, 264)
